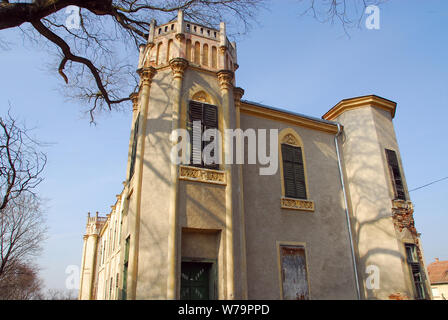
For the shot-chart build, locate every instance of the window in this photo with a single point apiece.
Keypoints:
(125, 267)
(395, 174)
(293, 172)
(416, 270)
(294, 274)
(134, 147)
(201, 116)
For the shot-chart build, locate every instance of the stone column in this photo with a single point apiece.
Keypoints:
(146, 76)
(237, 95)
(225, 78)
(178, 66)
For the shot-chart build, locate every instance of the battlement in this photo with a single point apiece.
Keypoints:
(204, 47)
(94, 224)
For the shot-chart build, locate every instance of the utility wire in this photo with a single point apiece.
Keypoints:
(428, 184)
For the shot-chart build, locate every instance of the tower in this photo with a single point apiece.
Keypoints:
(182, 217)
(88, 263)
(387, 243)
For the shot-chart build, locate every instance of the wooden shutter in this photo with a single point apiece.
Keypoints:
(210, 122)
(395, 174)
(208, 116)
(195, 114)
(293, 172)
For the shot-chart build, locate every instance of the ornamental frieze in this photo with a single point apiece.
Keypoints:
(297, 204)
(202, 175)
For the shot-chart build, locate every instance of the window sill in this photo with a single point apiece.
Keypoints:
(202, 175)
(297, 204)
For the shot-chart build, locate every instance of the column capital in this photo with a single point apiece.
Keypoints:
(225, 78)
(178, 66)
(146, 74)
(134, 98)
(180, 36)
(238, 94)
(222, 49)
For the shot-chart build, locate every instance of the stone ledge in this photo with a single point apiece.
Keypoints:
(297, 204)
(202, 175)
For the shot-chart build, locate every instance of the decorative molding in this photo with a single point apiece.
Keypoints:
(222, 49)
(285, 117)
(297, 204)
(360, 102)
(201, 96)
(134, 99)
(180, 36)
(238, 94)
(290, 139)
(146, 75)
(178, 66)
(225, 78)
(202, 175)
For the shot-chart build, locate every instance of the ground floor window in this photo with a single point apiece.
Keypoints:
(294, 276)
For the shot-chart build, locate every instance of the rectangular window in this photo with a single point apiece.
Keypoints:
(201, 116)
(134, 147)
(293, 172)
(125, 268)
(294, 273)
(395, 174)
(416, 270)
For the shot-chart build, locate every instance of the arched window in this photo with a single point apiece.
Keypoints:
(169, 52)
(293, 165)
(197, 53)
(159, 52)
(188, 49)
(205, 55)
(214, 57)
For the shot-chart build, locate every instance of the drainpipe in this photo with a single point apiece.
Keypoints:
(346, 211)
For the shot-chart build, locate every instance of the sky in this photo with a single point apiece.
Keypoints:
(287, 61)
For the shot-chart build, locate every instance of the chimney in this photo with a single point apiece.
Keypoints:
(437, 259)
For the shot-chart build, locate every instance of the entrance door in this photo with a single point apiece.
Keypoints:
(195, 281)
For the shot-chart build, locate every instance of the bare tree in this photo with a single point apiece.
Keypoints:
(88, 54)
(348, 13)
(21, 283)
(22, 232)
(21, 164)
(57, 294)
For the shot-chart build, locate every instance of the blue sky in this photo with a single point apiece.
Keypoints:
(287, 61)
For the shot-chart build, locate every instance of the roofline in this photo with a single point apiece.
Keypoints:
(296, 118)
(359, 102)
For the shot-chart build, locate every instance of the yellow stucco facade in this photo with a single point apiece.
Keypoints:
(241, 228)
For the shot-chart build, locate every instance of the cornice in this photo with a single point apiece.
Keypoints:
(360, 102)
(293, 119)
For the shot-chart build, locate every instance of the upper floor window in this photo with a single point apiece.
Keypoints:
(134, 147)
(294, 180)
(395, 174)
(201, 117)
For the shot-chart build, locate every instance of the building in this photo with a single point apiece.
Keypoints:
(333, 220)
(438, 276)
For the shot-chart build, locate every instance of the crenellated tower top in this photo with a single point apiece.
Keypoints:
(203, 47)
